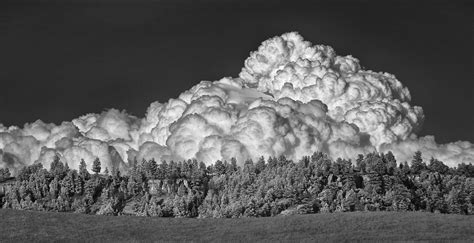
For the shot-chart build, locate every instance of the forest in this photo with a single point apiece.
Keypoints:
(266, 187)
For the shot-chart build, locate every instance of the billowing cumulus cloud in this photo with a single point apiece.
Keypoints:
(376, 103)
(291, 98)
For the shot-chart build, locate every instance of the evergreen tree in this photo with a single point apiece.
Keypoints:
(260, 165)
(57, 168)
(79, 185)
(54, 188)
(376, 164)
(438, 166)
(233, 165)
(96, 166)
(164, 170)
(360, 163)
(390, 162)
(271, 162)
(151, 169)
(115, 173)
(4, 174)
(417, 164)
(405, 168)
(465, 169)
(219, 167)
(67, 184)
(83, 170)
(90, 189)
(262, 189)
(249, 167)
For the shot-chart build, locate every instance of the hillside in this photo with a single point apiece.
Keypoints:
(376, 182)
(47, 226)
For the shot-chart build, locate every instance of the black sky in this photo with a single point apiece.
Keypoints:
(60, 61)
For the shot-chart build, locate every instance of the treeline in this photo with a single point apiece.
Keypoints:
(266, 187)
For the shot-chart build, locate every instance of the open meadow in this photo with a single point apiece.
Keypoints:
(386, 226)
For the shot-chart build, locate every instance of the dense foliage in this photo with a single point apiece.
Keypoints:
(375, 182)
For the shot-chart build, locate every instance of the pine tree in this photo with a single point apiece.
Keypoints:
(271, 162)
(79, 185)
(83, 170)
(405, 168)
(249, 167)
(151, 170)
(453, 201)
(67, 184)
(233, 165)
(417, 164)
(4, 174)
(360, 163)
(438, 166)
(115, 173)
(96, 166)
(260, 165)
(164, 170)
(390, 162)
(54, 187)
(465, 169)
(376, 164)
(282, 160)
(219, 167)
(90, 189)
(57, 167)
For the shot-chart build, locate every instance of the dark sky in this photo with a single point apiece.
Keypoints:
(58, 62)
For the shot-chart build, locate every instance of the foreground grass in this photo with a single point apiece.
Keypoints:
(47, 226)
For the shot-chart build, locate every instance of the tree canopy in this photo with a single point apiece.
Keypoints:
(267, 187)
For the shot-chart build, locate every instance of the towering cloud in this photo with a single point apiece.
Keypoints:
(291, 98)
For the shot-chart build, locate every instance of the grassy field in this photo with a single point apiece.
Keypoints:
(45, 226)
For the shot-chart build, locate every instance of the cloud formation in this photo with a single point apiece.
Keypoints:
(291, 98)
